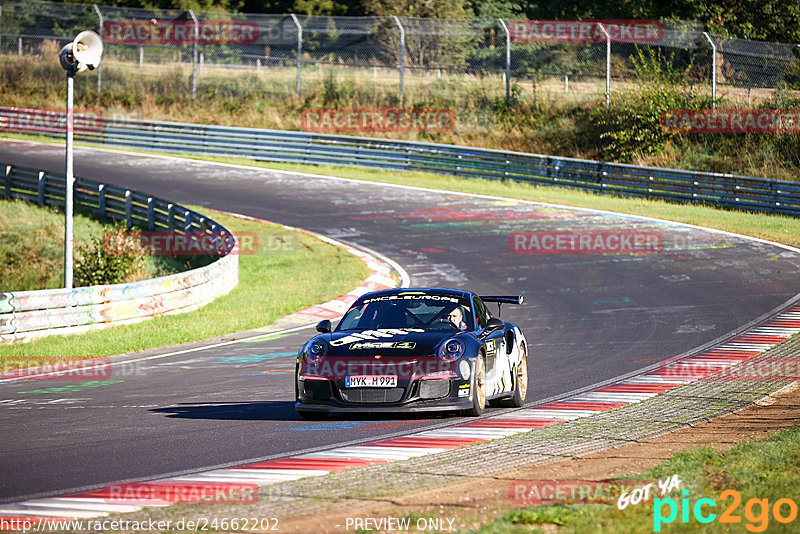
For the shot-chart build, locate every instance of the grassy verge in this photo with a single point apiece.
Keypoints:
(32, 248)
(762, 470)
(32, 245)
(290, 271)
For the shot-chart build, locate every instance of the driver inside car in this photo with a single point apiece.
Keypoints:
(456, 317)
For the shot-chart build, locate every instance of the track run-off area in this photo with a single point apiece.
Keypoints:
(592, 313)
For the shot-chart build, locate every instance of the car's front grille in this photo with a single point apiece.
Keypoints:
(372, 395)
(434, 389)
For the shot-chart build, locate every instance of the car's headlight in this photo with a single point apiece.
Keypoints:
(451, 350)
(316, 350)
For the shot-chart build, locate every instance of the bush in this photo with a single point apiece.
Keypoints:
(632, 125)
(99, 265)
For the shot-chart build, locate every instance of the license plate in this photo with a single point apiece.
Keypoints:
(371, 381)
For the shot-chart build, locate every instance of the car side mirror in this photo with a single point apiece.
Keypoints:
(324, 327)
(492, 325)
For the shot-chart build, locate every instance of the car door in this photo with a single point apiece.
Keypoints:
(493, 345)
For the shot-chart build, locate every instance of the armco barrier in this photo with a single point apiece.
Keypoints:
(30, 314)
(725, 190)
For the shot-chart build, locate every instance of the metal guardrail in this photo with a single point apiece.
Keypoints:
(30, 314)
(724, 190)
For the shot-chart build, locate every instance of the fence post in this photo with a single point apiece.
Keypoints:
(508, 60)
(402, 53)
(299, 49)
(194, 54)
(141, 57)
(608, 65)
(713, 70)
(100, 33)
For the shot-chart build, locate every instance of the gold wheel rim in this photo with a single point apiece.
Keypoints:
(522, 374)
(480, 383)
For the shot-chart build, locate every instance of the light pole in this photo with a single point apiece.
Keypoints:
(81, 54)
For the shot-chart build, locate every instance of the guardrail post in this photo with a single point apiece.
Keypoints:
(508, 60)
(713, 70)
(299, 49)
(187, 221)
(100, 33)
(608, 65)
(171, 217)
(402, 53)
(7, 193)
(101, 200)
(194, 54)
(41, 188)
(128, 208)
(151, 214)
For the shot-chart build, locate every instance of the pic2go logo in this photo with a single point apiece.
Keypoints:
(756, 511)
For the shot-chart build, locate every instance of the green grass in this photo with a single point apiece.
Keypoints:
(32, 245)
(760, 469)
(32, 248)
(291, 271)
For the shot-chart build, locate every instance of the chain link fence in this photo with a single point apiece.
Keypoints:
(173, 54)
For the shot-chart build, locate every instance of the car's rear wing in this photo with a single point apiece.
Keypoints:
(504, 299)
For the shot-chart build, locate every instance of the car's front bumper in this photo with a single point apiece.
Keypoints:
(331, 395)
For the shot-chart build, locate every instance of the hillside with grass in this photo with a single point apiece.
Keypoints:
(540, 117)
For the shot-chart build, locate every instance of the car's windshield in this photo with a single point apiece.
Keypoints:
(428, 312)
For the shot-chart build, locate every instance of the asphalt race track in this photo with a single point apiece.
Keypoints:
(588, 318)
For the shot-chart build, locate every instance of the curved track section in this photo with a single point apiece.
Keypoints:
(588, 317)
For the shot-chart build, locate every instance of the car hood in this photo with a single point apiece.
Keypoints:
(402, 342)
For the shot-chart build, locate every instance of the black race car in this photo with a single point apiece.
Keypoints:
(413, 350)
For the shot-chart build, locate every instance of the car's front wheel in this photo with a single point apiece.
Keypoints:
(478, 388)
